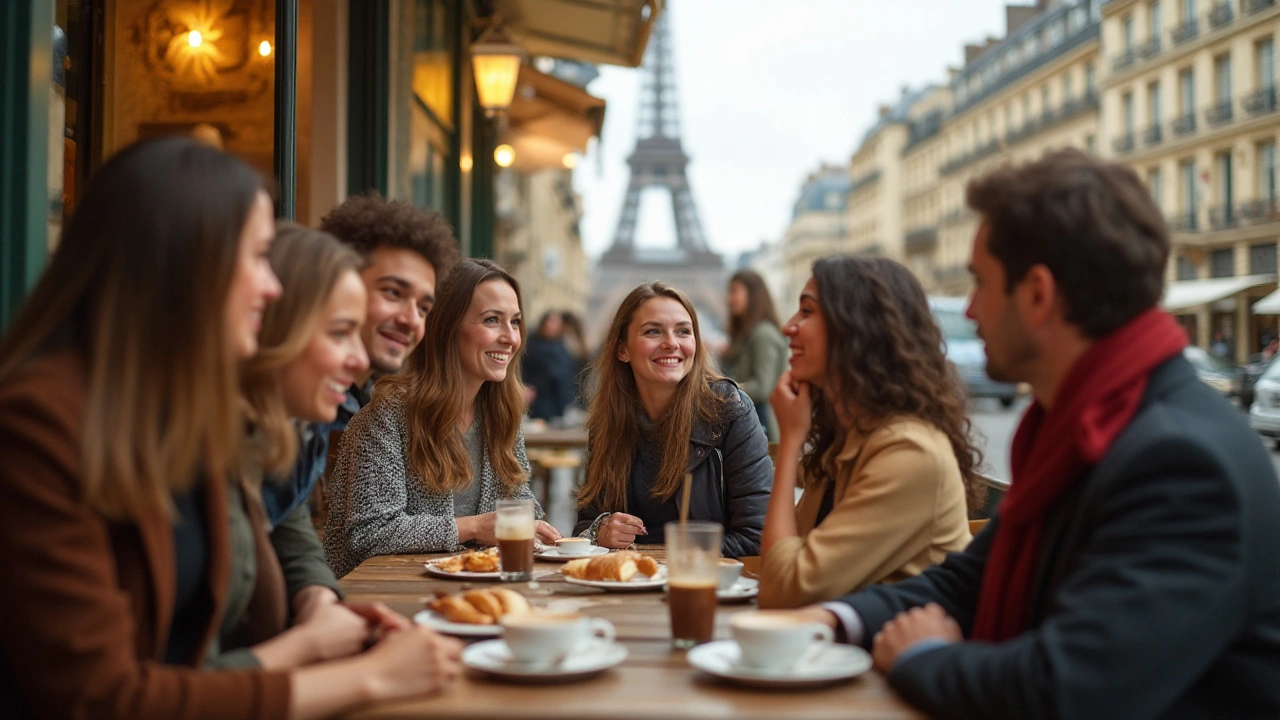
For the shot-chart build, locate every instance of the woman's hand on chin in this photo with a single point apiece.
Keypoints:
(792, 407)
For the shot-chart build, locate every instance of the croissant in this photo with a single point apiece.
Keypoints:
(457, 610)
(618, 566)
(485, 602)
(513, 603)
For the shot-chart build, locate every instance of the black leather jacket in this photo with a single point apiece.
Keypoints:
(732, 475)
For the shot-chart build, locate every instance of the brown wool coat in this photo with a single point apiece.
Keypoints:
(899, 508)
(86, 604)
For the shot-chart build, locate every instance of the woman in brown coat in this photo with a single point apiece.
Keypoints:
(119, 426)
(873, 417)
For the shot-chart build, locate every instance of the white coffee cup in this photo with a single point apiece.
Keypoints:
(777, 640)
(573, 546)
(730, 570)
(539, 638)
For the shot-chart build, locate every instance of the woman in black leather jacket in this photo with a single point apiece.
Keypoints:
(658, 412)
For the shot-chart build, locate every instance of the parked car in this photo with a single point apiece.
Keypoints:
(1264, 413)
(964, 349)
(1213, 371)
(1249, 374)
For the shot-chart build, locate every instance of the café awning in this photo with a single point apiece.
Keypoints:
(548, 119)
(614, 32)
(1188, 294)
(1269, 305)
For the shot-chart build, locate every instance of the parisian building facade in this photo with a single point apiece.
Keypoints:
(1183, 91)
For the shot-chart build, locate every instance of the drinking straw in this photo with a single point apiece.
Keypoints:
(684, 499)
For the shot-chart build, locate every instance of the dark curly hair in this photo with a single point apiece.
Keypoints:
(884, 359)
(369, 221)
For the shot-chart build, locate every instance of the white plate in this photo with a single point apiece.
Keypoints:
(492, 656)
(463, 575)
(635, 584)
(437, 622)
(552, 554)
(832, 663)
(744, 589)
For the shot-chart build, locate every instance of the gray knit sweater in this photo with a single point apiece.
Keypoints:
(379, 507)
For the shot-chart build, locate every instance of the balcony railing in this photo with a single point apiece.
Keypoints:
(1222, 217)
(1153, 135)
(978, 153)
(1220, 113)
(952, 274)
(1184, 125)
(1186, 31)
(1254, 6)
(1012, 75)
(1123, 60)
(1261, 211)
(1221, 15)
(1260, 102)
(921, 239)
(1183, 222)
(1150, 48)
(865, 180)
(1124, 143)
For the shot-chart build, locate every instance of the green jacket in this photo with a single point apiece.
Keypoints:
(756, 363)
(301, 559)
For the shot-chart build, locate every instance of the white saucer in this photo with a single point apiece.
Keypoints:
(741, 591)
(635, 584)
(552, 554)
(832, 664)
(437, 622)
(493, 657)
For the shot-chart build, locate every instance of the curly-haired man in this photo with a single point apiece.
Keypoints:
(407, 250)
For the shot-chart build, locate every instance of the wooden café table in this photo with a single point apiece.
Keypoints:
(653, 682)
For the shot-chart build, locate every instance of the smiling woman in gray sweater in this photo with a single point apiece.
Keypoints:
(420, 469)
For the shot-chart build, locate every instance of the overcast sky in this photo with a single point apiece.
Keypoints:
(768, 90)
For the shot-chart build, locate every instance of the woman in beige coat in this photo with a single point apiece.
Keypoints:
(872, 418)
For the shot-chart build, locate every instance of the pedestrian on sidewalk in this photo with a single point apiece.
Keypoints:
(757, 352)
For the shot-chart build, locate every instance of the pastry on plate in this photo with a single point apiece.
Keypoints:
(617, 566)
(480, 607)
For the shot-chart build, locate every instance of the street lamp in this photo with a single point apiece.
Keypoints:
(495, 59)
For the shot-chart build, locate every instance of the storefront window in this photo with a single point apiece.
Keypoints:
(423, 121)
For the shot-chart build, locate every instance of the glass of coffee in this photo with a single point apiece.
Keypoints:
(514, 529)
(693, 572)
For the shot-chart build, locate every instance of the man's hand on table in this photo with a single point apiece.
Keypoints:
(929, 622)
(545, 532)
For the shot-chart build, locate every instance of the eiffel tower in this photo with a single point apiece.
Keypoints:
(659, 161)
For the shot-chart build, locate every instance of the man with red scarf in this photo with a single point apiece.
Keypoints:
(1133, 568)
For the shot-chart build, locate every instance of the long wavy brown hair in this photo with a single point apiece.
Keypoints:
(759, 308)
(433, 385)
(309, 264)
(885, 360)
(612, 413)
(137, 289)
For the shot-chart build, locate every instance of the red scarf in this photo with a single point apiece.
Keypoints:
(1050, 449)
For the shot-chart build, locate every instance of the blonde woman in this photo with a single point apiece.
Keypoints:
(421, 468)
(119, 425)
(659, 412)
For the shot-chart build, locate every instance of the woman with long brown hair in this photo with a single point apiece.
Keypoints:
(873, 417)
(120, 425)
(659, 412)
(421, 468)
(757, 352)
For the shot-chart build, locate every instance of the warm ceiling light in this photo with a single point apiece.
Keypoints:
(465, 163)
(504, 155)
(264, 48)
(495, 61)
(570, 160)
(195, 39)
